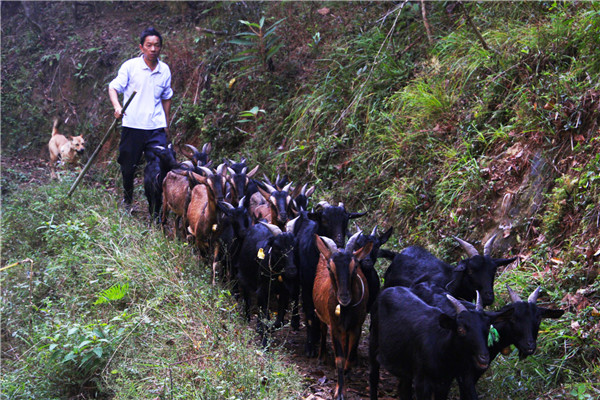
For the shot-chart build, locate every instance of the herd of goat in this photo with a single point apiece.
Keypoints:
(425, 330)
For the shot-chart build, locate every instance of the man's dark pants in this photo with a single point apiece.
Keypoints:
(134, 143)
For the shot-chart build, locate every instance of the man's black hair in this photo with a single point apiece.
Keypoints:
(150, 31)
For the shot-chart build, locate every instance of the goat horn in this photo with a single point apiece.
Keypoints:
(310, 191)
(273, 228)
(514, 297)
(207, 171)
(340, 204)
(270, 188)
(287, 187)
(324, 204)
(374, 233)
(478, 302)
(206, 148)
(243, 161)
(468, 247)
(231, 171)
(229, 206)
(534, 296)
(351, 242)
(222, 169)
(487, 249)
(244, 170)
(330, 243)
(458, 306)
(159, 147)
(195, 150)
(303, 190)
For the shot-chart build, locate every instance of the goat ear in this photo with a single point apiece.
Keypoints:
(356, 215)
(264, 193)
(550, 313)
(504, 261)
(310, 191)
(296, 191)
(207, 148)
(363, 251)
(447, 322)
(496, 317)
(323, 248)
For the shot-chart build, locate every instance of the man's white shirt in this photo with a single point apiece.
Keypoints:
(146, 110)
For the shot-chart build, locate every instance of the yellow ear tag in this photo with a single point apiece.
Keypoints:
(261, 254)
(280, 278)
(338, 310)
(214, 227)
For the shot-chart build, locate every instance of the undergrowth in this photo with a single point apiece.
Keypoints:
(106, 307)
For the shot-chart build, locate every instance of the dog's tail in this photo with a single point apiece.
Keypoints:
(55, 126)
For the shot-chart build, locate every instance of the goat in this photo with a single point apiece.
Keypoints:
(278, 202)
(240, 180)
(326, 221)
(234, 226)
(300, 202)
(367, 264)
(199, 158)
(265, 269)
(176, 195)
(472, 274)
(206, 192)
(340, 296)
(521, 330)
(424, 345)
(160, 161)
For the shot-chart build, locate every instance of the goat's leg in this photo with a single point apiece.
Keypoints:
(373, 362)
(215, 262)
(338, 350)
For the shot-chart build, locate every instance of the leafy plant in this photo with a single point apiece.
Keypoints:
(261, 44)
(113, 293)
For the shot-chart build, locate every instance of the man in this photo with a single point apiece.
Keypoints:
(146, 119)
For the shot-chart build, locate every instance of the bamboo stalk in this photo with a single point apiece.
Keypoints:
(95, 153)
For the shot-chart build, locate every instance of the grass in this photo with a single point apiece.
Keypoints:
(164, 331)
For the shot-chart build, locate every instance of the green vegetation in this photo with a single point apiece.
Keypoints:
(465, 135)
(109, 308)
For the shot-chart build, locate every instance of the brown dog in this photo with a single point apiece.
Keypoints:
(63, 150)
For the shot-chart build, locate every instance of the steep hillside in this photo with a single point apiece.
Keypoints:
(467, 119)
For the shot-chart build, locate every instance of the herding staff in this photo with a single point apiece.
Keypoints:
(95, 153)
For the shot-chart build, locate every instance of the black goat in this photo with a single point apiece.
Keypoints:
(199, 158)
(367, 264)
(521, 330)
(472, 274)
(266, 269)
(240, 180)
(235, 224)
(160, 161)
(425, 346)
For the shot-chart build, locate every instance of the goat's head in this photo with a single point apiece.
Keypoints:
(477, 273)
(378, 240)
(199, 158)
(525, 322)
(342, 265)
(300, 201)
(333, 221)
(239, 179)
(238, 217)
(279, 200)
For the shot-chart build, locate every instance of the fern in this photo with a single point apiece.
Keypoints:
(115, 292)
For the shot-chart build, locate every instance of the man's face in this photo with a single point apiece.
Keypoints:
(151, 48)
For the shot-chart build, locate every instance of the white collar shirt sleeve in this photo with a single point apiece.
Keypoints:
(146, 110)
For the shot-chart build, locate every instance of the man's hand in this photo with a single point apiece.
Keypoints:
(118, 112)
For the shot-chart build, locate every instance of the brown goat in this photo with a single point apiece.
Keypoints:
(176, 196)
(340, 296)
(202, 216)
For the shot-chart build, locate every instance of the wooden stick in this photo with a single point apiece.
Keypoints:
(95, 153)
